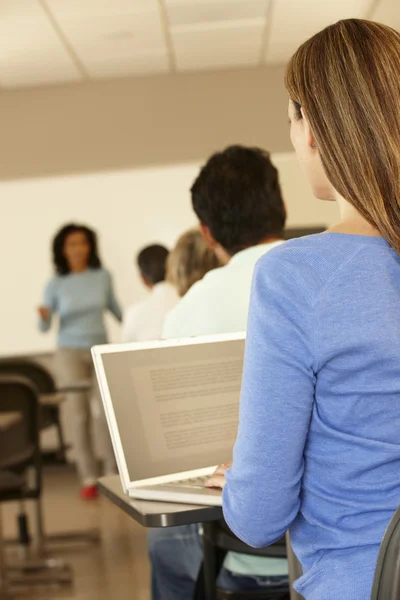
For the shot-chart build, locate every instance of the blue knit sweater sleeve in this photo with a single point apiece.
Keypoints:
(262, 495)
(50, 302)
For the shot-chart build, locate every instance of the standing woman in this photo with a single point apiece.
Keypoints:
(80, 292)
(318, 447)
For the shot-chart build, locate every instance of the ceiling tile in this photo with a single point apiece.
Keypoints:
(18, 8)
(188, 12)
(31, 53)
(92, 8)
(114, 36)
(293, 22)
(224, 46)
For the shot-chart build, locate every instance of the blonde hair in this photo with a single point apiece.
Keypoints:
(347, 79)
(189, 261)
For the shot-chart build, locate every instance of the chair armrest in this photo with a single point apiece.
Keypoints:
(51, 399)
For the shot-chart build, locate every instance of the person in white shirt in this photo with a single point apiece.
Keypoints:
(240, 227)
(238, 201)
(144, 321)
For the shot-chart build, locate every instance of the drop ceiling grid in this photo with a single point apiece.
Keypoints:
(126, 41)
(116, 38)
(31, 52)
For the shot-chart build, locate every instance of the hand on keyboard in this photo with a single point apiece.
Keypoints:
(217, 479)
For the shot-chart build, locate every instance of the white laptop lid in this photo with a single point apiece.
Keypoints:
(171, 406)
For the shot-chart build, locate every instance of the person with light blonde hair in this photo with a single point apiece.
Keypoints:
(189, 261)
(318, 447)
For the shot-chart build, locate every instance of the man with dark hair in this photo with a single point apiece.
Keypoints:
(238, 201)
(152, 263)
(144, 321)
(242, 216)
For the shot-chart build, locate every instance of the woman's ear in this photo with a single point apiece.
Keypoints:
(310, 139)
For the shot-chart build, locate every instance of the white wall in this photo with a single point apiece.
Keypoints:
(129, 209)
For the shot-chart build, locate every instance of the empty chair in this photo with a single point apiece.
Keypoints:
(50, 401)
(49, 415)
(21, 473)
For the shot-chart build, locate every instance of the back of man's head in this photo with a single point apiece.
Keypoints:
(152, 262)
(238, 197)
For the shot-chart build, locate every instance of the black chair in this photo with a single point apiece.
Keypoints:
(50, 400)
(218, 540)
(386, 584)
(49, 415)
(21, 475)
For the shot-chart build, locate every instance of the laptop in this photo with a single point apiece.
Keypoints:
(172, 410)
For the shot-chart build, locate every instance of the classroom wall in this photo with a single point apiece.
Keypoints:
(140, 122)
(128, 208)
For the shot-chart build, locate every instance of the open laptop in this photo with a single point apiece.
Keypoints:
(172, 411)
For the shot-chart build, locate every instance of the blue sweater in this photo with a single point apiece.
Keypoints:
(318, 447)
(80, 300)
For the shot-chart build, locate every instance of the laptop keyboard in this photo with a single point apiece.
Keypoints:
(194, 482)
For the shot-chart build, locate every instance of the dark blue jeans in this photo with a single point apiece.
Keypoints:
(176, 555)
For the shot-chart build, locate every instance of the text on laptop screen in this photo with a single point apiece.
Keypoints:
(176, 407)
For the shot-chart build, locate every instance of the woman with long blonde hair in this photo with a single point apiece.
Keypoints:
(318, 448)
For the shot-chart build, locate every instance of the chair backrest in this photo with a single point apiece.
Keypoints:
(19, 444)
(386, 584)
(41, 378)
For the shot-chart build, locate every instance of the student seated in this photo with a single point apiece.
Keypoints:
(144, 321)
(318, 447)
(238, 201)
(189, 261)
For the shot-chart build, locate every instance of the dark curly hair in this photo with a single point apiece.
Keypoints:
(59, 260)
(238, 196)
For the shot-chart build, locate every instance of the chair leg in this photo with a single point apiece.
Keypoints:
(43, 540)
(210, 563)
(61, 440)
(42, 570)
(4, 584)
(40, 539)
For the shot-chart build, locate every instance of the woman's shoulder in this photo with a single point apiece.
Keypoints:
(311, 260)
(320, 250)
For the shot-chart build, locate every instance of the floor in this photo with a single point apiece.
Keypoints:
(115, 569)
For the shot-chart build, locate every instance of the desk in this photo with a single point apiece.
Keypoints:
(162, 514)
(156, 514)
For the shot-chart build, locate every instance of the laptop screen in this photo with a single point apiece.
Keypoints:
(176, 407)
